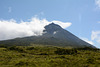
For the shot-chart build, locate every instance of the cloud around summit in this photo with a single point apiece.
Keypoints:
(13, 29)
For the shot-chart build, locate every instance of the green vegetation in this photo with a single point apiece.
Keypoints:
(48, 56)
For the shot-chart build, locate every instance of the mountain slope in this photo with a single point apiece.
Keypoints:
(53, 35)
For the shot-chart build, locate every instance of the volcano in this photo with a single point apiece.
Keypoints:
(53, 35)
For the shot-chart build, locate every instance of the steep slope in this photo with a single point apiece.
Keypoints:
(53, 35)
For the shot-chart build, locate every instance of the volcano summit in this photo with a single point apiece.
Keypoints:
(52, 35)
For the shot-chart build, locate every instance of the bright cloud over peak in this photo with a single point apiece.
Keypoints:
(12, 29)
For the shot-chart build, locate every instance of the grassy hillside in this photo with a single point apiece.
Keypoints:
(48, 56)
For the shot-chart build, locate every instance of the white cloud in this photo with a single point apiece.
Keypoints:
(96, 36)
(97, 2)
(98, 40)
(88, 41)
(55, 32)
(42, 13)
(63, 25)
(12, 29)
(9, 9)
(98, 21)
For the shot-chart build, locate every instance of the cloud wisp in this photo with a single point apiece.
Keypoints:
(9, 9)
(13, 29)
(98, 21)
(96, 36)
(97, 2)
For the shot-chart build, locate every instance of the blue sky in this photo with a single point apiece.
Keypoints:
(84, 15)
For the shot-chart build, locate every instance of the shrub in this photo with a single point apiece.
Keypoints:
(16, 49)
(21, 63)
(61, 51)
(88, 48)
(30, 48)
(90, 60)
(43, 54)
(3, 46)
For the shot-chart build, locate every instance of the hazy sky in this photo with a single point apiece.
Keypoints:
(81, 17)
